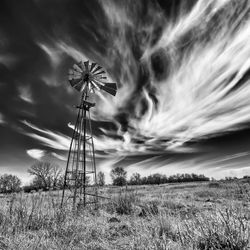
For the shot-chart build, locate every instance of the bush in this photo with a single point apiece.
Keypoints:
(149, 209)
(9, 183)
(29, 189)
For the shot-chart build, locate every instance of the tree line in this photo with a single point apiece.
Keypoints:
(119, 177)
(48, 175)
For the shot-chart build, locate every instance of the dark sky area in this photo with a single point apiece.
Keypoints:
(182, 70)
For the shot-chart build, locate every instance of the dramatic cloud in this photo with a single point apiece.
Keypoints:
(182, 69)
(200, 75)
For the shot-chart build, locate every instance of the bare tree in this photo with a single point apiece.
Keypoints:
(9, 183)
(56, 174)
(101, 179)
(47, 174)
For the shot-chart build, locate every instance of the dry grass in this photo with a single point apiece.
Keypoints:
(176, 217)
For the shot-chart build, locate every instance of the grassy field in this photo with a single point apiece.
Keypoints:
(177, 216)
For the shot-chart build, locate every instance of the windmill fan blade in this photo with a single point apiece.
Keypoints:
(95, 85)
(98, 68)
(80, 65)
(92, 66)
(111, 85)
(75, 74)
(77, 68)
(80, 86)
(99, 77)
(74, 82)
(72, 72)
(97, 82)
(108, 90)
(86, 64)
(83, 87)
(101, 72)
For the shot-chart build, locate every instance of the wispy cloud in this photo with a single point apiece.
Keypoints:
(39, 154)
(53, 53)
(205, 89)
(71, 51)
(2, 119)
(25, 94)
(229, 158)
(36, 153)
(60, 157)
(48, 138)
(8, 60)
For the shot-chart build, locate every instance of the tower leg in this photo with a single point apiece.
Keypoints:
(84, 160)
(68, 160)
(94, 165)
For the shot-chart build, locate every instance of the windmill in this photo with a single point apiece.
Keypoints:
(80, 176)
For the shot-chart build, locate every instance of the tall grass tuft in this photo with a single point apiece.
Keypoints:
(124, 203)
(225, 229)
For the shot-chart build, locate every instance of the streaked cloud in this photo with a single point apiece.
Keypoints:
(230, 158)
(204, 89)
(48, 138)
(2, 119)
(25, 94)
(54, 54)
(71, 51)
(8, 60)
(60, 157)
(36, 153)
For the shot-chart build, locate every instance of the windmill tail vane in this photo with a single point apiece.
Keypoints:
(80, 183)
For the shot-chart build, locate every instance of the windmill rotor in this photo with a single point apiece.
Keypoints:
(88, 77)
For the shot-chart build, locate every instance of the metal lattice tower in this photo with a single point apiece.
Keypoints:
(80, 183)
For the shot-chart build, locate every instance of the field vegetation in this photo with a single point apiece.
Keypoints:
(197, 215)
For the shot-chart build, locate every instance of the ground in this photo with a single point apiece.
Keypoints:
(208, 215)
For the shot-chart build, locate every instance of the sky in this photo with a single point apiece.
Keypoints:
(183, 75)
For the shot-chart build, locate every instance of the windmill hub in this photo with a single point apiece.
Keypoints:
(86, 77)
